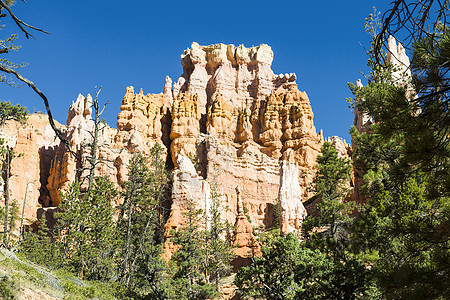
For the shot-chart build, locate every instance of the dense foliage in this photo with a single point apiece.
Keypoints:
(405, 159)
(321, 266)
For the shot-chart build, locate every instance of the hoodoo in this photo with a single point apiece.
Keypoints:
(240, 123)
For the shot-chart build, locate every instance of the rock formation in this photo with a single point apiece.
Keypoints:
(341, 146)
(185, 125)
(65, 167)
(34, 144)
(245, 243)
(292, 211)
(186, 186)
(396, 56)
(228, 112)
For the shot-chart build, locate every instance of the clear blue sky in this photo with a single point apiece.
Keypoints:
(115, 44)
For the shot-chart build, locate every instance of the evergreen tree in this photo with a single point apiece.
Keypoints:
(140, 229)
(406, 161)
(86, 229)
(331, 185)
(12, 112)
(219, 252)
(11, 212)
(329, 231)
(288, 270)
(40, 248)
(188, 260)
(272, 276)
(204, 253)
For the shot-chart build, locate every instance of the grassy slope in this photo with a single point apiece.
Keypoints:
(20, 279)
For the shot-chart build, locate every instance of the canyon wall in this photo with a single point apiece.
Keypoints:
(242, 125)
(34, 145)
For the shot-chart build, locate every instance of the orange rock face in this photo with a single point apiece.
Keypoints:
(34, 143)
(245, 243)
(185, 125)
(229, 112)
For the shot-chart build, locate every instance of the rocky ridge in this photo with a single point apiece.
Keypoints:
(244, 126)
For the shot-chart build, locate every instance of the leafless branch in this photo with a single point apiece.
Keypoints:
(413, 20)
(21, 24)
(47, 106)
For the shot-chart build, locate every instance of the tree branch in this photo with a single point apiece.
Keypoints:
(21, 24)
(57, 131)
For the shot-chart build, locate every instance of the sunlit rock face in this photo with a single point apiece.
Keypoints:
(185, 125)
(244, 242)
(239, 73)
(227, 120)
(292, 211)
(239, 121)
(34, 144)
(67, 165)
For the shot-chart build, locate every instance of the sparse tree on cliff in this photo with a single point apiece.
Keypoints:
(91, 161)
(7, 154)
(189, 259)
(12, 112)
(205, 253)
(219, 252)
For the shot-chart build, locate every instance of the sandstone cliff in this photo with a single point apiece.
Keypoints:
(242, 124)
(34, 143)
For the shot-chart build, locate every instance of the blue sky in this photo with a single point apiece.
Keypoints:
(115, 44)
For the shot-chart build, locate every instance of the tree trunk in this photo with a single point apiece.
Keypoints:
(5, 227)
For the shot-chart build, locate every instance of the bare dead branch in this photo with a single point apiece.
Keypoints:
(413, 20)
(103, 109)
(21, 24)
(57, 131)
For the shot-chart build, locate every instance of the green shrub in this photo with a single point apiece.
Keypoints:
(8, 289)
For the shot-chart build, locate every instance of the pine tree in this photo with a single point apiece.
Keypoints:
(331, 185)
(288, 270)
(18, 113)
(188, 260)
(11, 212)
(40, 247)
(406, 161)
(140, 266)
(329, 231)
(219, 252)
(86, 229)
